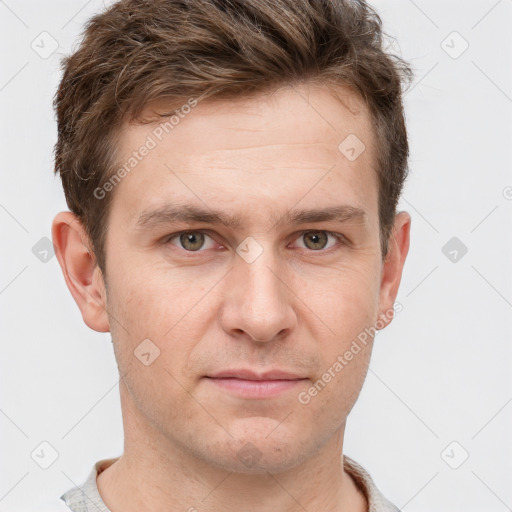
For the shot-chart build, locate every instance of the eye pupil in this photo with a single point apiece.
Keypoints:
(317, 237)
(192, 241)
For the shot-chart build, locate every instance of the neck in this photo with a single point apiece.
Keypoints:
(155, 473)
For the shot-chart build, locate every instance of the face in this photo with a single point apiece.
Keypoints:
(265, 283)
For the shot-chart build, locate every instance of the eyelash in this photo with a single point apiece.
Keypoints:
(341, 239)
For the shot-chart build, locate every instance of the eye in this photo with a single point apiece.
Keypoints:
(196, 241)
(318, 240)
(191, 241)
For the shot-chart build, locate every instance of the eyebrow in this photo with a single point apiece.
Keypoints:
(186, 213)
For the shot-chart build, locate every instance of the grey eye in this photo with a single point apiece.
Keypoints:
(315, 240)
(192, 241)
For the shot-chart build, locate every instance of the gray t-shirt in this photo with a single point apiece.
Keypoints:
(87, 498)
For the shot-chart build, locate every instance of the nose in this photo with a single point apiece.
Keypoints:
(258, 302)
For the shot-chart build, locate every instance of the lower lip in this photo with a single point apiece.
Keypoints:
(255, 388)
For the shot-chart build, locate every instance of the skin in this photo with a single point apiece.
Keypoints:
(294, 308)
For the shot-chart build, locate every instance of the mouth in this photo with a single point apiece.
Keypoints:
(249, 384)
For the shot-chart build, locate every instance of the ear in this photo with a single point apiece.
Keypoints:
(392, 267)
(81, 272)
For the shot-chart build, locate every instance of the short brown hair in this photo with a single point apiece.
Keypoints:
(138, 51)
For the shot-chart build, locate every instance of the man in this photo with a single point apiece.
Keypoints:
(232, 171)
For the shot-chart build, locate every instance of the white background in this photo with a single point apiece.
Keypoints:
(440, 373)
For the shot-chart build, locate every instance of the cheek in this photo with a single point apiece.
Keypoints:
(345, 300)
(153, 333)
(345, 314)
(336, 386)
(153, 300)
(340, 386)
(163, 307)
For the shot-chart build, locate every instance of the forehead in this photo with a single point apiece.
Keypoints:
(324, 114)
(276, 147)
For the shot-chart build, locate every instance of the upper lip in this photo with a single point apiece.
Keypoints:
(251, 375)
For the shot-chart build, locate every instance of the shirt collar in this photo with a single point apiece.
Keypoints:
(87, 497)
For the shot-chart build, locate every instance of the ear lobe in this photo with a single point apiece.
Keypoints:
(81, 272)
(393, 265)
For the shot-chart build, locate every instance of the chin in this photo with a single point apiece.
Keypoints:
(249, 459)
(259, 448)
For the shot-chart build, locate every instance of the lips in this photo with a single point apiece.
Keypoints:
(248, 384)
(246, 374)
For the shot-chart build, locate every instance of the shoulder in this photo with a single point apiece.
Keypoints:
(377, 502)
